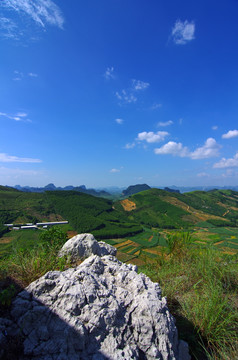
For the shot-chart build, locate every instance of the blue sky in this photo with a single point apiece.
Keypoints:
(118, 92)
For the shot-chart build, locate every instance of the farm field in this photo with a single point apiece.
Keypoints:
(146, 246)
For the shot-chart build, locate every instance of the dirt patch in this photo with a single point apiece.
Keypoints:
(229, 252)
(156, 251)
(232, 242)
(71, 234)
(128, 205)
(219, 242)
(150, 239)
(6, 240)
(125, 243)
(136, 261)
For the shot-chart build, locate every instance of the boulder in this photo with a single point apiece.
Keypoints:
(101, 309)
(84, 245)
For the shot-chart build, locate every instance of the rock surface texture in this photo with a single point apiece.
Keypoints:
(101, 309)
(84, 245)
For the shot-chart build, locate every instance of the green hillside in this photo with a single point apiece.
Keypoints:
(159, 208)
(84, 212)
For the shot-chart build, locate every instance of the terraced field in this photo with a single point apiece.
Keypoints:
(147, 246)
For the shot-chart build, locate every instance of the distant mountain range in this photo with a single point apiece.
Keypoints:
(52, 187)
(116, 192)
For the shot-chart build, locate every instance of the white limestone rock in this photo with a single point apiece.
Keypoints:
(84, 245)
(102, 309)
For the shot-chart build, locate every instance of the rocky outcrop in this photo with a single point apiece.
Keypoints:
(84, 245)
(101, 309)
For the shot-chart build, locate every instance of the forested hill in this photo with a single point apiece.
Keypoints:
(159, 208)
(107, 219)
(85, 213)
(134, 189)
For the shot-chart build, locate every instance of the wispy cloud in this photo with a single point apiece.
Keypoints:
(40, 12)
(183, 32)
(203, 174)
(128, 96)
(18, 75)
(138, 85)
(156, 106)
(215, 127)
(208, 150)
(165, 123)
(114, 170)
(227, 163)
(9, 159)
(119, 121)
(109, 73)
(230, 134)
(151, 137)
(43, 12)
(129, 146)
(32, 74)
(10, 175)
(20, 116)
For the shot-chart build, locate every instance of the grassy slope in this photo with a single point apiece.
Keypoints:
(162, 209)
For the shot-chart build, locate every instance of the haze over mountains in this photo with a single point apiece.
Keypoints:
(130, 190)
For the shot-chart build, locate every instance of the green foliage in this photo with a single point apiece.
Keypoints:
(217, 222)
(178, 243)
(53, 236)
(201, 288)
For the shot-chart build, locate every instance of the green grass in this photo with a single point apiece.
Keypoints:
(201, 288)
(20, 239)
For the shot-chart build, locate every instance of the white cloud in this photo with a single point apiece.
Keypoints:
(8, 158)
(129, 146)
(227, 163)
(173, 148)
(126, 97)
(119, 121)
(114, 170)
(230, 134)
(129, 95)
(42, 12)
(203, 174)
(155, 106)
(18, 75)
(209, 149)
(183, 32)
(165, 123)
(109, 73)
(138, 85)
(8, 28)
(152, 137)
(32, 74)
(20, 116)
(215, 127)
